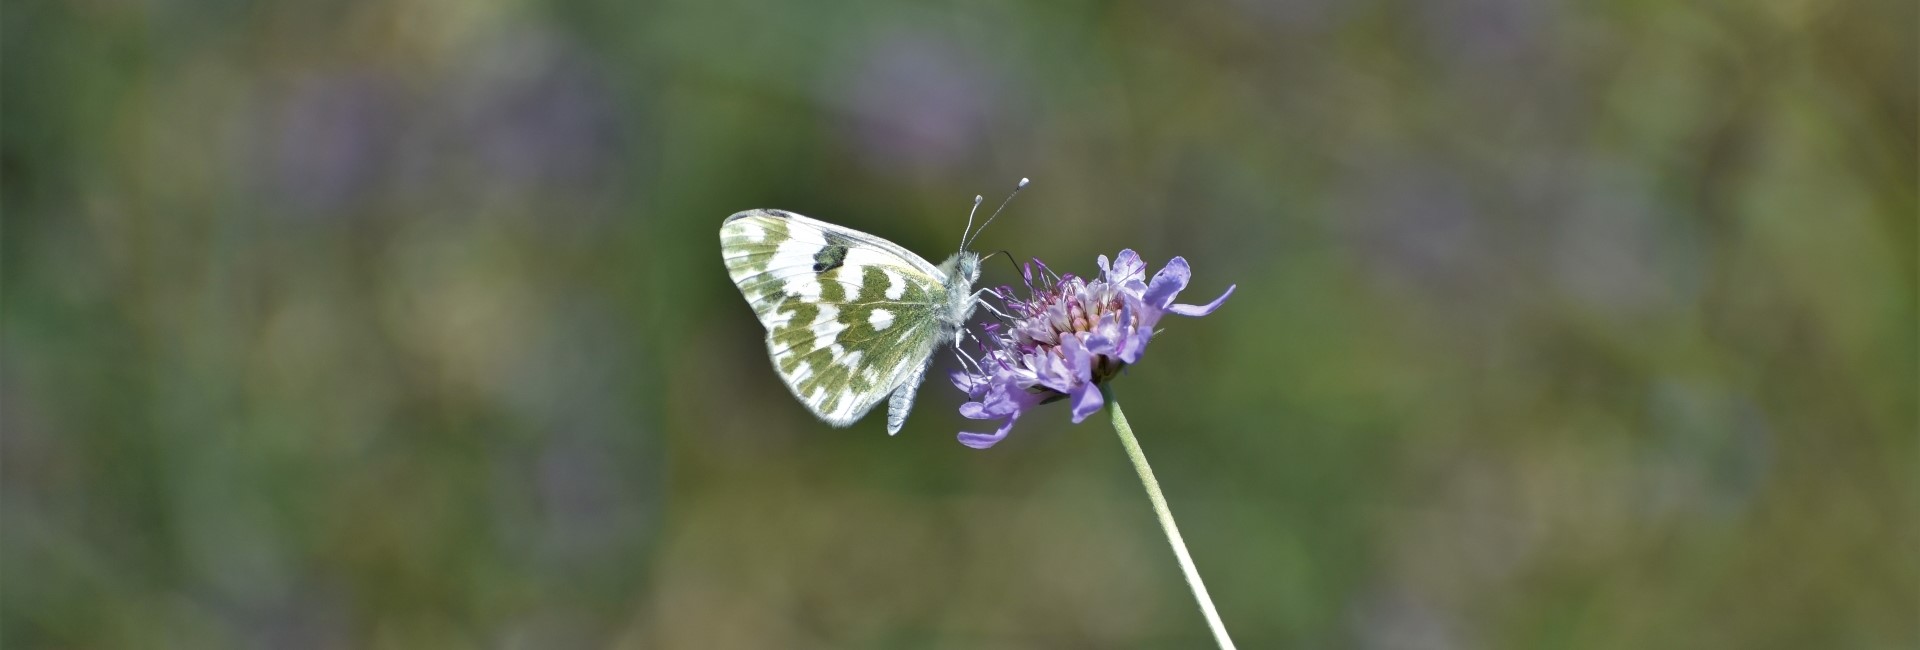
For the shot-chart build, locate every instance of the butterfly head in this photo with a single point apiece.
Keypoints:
(962, 270)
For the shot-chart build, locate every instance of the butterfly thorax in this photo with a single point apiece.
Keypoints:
(961, 270)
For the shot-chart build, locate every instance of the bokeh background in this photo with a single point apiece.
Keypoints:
(402, 324)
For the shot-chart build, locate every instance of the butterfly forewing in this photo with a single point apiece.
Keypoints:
(849, 316)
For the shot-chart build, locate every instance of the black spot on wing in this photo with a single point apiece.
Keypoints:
(832, 255)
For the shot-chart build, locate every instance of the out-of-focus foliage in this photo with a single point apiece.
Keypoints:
(402, 324)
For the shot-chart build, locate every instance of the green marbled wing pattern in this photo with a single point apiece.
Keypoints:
(849, 316)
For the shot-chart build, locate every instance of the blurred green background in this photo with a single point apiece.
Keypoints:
(403, 325)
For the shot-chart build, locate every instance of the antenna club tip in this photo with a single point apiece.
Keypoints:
(977, 199)
(1023, 182)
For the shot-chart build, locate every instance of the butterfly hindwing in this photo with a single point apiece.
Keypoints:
(850, 317)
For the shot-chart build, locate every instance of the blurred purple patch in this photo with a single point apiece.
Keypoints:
(1486, 38)
(332, 139)
(538, 114)
(580, 494)
(310, 614)
(1396, 616)
(917, 100)
(1294, 16)
(1614, 251)
(1415, 226)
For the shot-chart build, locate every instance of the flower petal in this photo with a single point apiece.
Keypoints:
(1079, 362)
(1107, 334)
(1128, 266)
(1135, 345)
(1086, 402)
(1167, 283)
(1201, 310)
(985, 440)
(1050, 372)
(975, 411)
(966, 381)
(1132, 339)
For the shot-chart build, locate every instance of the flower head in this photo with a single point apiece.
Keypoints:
(1067, 337)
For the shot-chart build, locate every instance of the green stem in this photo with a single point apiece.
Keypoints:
(1147, 481)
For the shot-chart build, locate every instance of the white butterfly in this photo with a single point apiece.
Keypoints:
(851, 318)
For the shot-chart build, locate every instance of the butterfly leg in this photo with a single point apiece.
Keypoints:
(996, 311)
(967, 362)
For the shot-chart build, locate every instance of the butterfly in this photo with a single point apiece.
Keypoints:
(851, 318)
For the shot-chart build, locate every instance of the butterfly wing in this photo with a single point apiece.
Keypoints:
(850, 317)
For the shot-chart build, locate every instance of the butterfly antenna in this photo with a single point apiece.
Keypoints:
(976, 208)
(1009, 256)
(996, 212)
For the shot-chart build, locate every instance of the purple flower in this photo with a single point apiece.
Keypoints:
(1067, 337)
